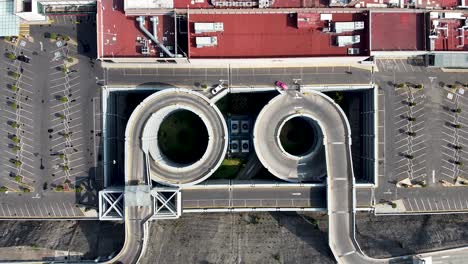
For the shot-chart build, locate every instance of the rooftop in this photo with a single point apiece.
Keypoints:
(9, 22)
(120, 36)
(449, 32)
(276, 35)
(397, 31)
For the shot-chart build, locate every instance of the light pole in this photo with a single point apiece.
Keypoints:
(298, 82)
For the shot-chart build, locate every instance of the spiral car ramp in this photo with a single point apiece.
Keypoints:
(161, 105)
(309, 166)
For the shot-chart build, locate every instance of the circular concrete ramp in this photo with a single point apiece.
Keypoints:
(313, 108)
(152, 113)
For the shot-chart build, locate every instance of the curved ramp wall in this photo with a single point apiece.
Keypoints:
(284, 107)
(154, 110)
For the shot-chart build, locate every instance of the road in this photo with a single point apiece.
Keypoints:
(254, 197)
(237, 77)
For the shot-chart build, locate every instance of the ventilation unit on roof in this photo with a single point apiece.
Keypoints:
(206, 42)
(340, 27)
(209, 27)
(343, 41)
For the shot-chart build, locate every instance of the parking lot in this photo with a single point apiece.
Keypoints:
(410, 135)
(403, 65)
(48, 129)
(454, 136)
(424, 138)
(19, 142)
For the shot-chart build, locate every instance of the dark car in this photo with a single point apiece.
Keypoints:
(23, 58)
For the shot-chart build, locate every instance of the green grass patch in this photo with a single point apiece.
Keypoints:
(228, 169)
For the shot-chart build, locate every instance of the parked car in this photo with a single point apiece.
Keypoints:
(281, 85)
(217, 89)
(23, 58)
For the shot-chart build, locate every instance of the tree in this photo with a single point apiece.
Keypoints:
(26, 190)
(64, 69)
(458, 147)
(14, 124)
(53, 36)
(78, 189)
(18, 179)
(65, 168)
(11, 56)
(419, 86)
(411, 133)
(18, 163)
(204, 86)
(3, 189)
(70, 59)
(14, 88)
(15, 139)
(63, 99)
(62, 156)
(411, 119)
(411, 103)
(394, 205)
(400, 85)
(457, 110)
(16, 148)
(457, 126)
(14, 105)
(409, 156)
(14, 75)
(59, 188)
(65, 37)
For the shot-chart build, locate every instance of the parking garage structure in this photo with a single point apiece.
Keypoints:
(304, 164)
(160, 106)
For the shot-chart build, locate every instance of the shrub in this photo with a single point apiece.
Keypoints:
(69, 59)
(16, 148)
(26, 190)
(44, 186)
(53, 36)
(14, 88)
(14, 124)
(204, 86)
(419, 86)
(62, 156)
(8, 38)
(394, 205)
(78, 189)
(18, 179)
(3, 189)
(65, 168)
(64, 69)
(65, 37)
(59, 188)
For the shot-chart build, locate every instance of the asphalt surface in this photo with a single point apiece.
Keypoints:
(254, 197)
(433, 157)
(237, 77)
(52, 134)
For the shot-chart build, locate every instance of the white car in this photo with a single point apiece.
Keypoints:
(217, 89)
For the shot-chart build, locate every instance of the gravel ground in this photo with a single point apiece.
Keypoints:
(239, 238)
(385, 236)
(293, 238)
(90, 238)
